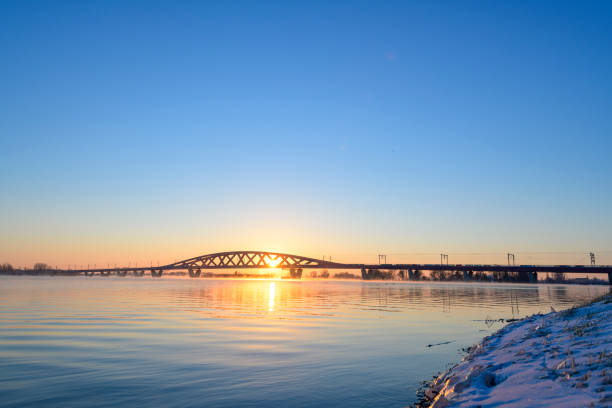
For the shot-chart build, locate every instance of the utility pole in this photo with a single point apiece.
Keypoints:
(511, 256)
(592, 256)
(443, 259)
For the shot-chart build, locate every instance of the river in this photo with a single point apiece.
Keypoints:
(179, 342)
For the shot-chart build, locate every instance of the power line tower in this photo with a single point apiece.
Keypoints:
(443, 259)
(511, 257)
(382, 258)
(592, 255)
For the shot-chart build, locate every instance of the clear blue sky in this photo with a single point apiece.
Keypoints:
(132, 131)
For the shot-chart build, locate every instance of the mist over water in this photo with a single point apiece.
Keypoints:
(173, 342)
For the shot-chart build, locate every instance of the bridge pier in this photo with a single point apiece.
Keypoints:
(105, 273)
(468, 275)
(295, 273)
(522, 276)
(194, 273)
(610, 278)
(533, 277)
(156, 273)
(138, 273)
(121, 273)
(89, 273)
(410, 274)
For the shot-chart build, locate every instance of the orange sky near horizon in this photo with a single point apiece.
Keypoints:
(103, 252)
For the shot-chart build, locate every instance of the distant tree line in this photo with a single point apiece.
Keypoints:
(555, 278)
(6, 267)
(39, 268)
(319, 275)
(442, 276)
(496, 276)
(346, 275)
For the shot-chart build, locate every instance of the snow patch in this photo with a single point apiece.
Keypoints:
(561, 359)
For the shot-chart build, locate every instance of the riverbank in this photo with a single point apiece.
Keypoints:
(561, 359)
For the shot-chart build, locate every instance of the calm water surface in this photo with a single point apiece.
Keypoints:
(170, 342)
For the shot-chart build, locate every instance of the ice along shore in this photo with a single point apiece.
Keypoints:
(561, 359)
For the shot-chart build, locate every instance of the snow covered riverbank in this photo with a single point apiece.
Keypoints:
(561, 359)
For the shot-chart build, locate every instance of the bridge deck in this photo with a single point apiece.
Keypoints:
(264, 260)
(422, 267)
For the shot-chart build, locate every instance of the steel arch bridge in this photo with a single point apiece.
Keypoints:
(251, 259)
(227, 260)
(296, 263)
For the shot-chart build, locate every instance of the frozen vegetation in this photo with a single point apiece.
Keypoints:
(561, 359)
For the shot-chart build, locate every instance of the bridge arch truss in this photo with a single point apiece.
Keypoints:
(251, 259)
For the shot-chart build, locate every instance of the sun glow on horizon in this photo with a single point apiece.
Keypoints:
(272, 262)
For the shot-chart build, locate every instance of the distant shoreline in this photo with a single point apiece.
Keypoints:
(560, 359)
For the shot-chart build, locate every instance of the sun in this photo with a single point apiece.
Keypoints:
(272, 260)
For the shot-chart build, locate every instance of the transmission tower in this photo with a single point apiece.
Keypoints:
(443, 259)
(592, 255)
(511, 257)
(382, 258)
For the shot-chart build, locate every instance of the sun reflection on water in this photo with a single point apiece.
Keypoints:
(271, 296)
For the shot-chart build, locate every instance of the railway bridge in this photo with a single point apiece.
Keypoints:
(295, 264)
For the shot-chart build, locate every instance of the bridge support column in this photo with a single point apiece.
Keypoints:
(610, 278)
(364, 274)
(523, 276)
(104, 273)
(466, 276)
(410, 274)
(89, 273)
(156, 273)
(138, 273)
(194, 273)
(533, 277)
(121, 273)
